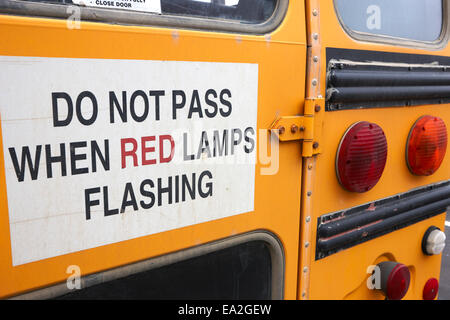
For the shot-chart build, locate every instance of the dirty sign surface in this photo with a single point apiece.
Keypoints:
(101, 151)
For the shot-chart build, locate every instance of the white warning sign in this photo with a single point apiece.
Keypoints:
(153, 6)
(101, 151)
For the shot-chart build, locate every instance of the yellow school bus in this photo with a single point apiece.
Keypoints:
(223, 149)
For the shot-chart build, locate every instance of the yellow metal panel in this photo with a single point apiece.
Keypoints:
(343, 275)
(281, 58)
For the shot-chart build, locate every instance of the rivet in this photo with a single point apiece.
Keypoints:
(281, 129)
(314, 82)
(315, 36)
(315, 145)
(310, 166)
(308, 219)
(302, 128)
(315, 12)
(317, 108)
(316, 59)
(306, 244)
(294, 128)
(305, 269)
(309, 193)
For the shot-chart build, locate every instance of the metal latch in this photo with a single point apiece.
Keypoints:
(307, 127)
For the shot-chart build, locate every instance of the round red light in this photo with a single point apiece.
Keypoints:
(398, 282)
(426, 146)
(431, 289)
(361, 157)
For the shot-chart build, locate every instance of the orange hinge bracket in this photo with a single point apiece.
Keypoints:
(307, 127)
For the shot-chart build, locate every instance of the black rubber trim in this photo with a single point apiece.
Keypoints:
(347, 228)
(384, 56)
(343, 95)
(359, 79)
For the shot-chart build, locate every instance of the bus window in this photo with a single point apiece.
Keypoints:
(245, 273)
(249, 11)
(406, 19)
(246, 11)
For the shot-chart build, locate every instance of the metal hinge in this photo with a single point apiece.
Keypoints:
(307, 127)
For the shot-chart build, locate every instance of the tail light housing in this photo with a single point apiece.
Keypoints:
(361, 157)
(395, 279)
(426, 146)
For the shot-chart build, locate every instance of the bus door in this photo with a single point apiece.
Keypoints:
(137, 159)
(379, 187)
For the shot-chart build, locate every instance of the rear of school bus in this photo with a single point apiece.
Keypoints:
(379, 188)
(263, 149)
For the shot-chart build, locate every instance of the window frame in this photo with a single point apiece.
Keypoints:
(438, 44)
(274, 246)
(124, 17)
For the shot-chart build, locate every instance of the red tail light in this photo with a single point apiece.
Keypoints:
(395, 278)
(426, 146)
(431, 289)
(361, 157)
